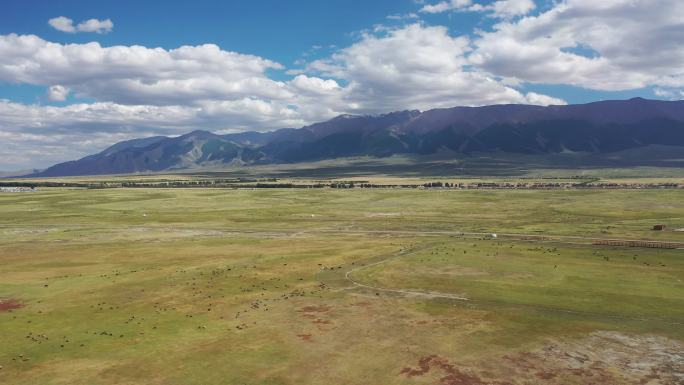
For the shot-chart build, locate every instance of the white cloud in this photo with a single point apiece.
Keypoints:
(103, 117)
(65, 24)
(500, 9)
(505, 9)
(57, 93)
(406, 16)
(669, 93)
(543, 100)
(314, 85)
(416, 67)
(136, 74)
(444, 6)
(97, 26)
(601, 45)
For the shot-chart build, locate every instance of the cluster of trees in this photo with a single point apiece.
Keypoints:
(274, 183)
(42, 184)
(441, 185)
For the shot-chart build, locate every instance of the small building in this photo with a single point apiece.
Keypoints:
(659, 227)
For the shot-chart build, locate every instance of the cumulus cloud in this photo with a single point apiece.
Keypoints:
(108, 116)
(600, 45)
(444, 6)
(543, 100)
(417, 67)
(505, 8)
(500, 9)
(669, 93)
(57, 93)
(314, 85)
(414, 66)
(95, 25)
(65, 24)
(406, 16)
(136, 74)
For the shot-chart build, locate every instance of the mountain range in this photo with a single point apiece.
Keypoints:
(595, 128)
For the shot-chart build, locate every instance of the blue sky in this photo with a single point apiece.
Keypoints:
(69, 87)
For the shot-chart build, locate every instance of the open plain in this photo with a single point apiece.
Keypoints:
(340, 286)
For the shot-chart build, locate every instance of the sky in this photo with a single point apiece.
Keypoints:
(78, 76)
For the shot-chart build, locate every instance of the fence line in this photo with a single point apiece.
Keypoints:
(647, 244)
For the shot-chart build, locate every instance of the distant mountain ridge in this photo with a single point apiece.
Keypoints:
(599, 127)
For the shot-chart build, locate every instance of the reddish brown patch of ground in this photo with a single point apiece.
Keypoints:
(315, 309)
(9, 305)
(451, 374)
(313, 312)
(523, 361)
(305, 337)
(545, 375)
(362, 304)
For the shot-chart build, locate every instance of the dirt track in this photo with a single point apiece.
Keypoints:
(415, 293)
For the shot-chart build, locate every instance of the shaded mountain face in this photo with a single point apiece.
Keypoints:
(198, 148)
(600, 127)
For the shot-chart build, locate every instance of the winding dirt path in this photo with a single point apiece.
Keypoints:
(408, 292)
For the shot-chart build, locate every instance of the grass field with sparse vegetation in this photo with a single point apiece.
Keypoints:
(328, 286)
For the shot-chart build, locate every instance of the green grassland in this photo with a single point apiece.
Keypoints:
(327, 286)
